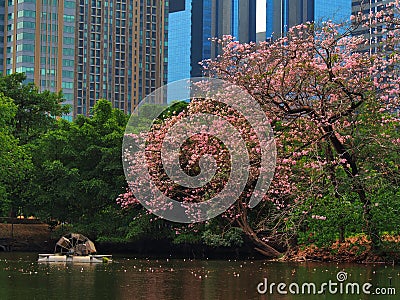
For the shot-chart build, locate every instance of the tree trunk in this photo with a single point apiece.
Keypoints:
(341, 234)
(263, 247)
(352, 173)
(260, 245)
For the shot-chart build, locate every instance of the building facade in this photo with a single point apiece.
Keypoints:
(121, 52)
(111, 49)
(282, 14)
(38, 39)
(375, 33)
(338, 11)
(179, 40)
(192, 23)
(2, 7)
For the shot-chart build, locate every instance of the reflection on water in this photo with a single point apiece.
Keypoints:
(21, 277)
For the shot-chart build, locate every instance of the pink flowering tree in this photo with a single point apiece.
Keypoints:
(334, 113)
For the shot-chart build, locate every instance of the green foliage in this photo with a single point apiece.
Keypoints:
(72, 172)
(8, 109)
(233, 237)
(191, 237)
(147, 114)
(25, 115)
(146, 226)
(36, 111)
(173, 109)
(386, 210)
(328, 217)
(78, 170)
(15, 161)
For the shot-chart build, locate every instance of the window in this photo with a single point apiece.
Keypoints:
(25, 58)
(69, 4)
(69, 18)
(25, 24)
(51, 61)
(25, 69)
(69, 40)
(67, 85)
(68, 51)
(25, 36)
(69, 29)
(49, 38)
(69, 96)
(27, 47)
(47, 71)
(67, 63)
(68, 74)
(26, 13)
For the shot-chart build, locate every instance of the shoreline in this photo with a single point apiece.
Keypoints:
(37, 237)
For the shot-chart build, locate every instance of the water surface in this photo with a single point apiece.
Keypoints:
(21, 277)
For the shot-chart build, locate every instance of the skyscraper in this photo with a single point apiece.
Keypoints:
(39, 41)
(193, 22)
(280, 15)
(2, 6)
(121, 52)
(179, 40)
(112, 49)
(375, 32)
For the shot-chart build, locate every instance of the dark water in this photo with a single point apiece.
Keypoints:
(21, 277)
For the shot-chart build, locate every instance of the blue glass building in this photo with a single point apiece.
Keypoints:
(179, 41)
(193, 22)
(376, 33)
(337, 11)
(283, 14)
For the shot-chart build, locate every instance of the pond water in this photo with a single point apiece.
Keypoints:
(21, 277)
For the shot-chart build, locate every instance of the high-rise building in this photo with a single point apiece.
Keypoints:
(112, 49)
(338, 11)
(375, 32)
(39, 40)
(179, 39)
(2, 6)
(280, 15)
(193, 22)
(121, 52)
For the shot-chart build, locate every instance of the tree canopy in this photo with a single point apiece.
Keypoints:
(334, 112)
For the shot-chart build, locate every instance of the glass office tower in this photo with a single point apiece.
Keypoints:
(179, 40)
(193, 22)
(375, 33)
(283, 14)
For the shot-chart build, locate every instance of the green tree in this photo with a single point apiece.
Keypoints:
(36, 111)
(79, 171)
(14, 159)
